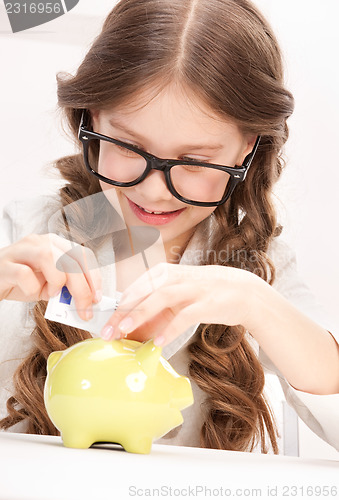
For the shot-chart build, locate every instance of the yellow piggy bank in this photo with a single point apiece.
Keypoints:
(120, 391)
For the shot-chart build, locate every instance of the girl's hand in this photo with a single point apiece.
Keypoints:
(28, 271)
(169, 298)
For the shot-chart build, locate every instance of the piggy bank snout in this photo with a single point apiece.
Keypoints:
(182, 396)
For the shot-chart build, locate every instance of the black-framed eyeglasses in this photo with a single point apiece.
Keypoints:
(193, 182)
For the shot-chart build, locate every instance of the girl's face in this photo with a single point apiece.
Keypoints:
(168, 126)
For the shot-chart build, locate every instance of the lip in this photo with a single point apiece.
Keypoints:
(153, 219)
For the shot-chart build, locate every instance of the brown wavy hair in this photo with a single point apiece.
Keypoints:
(224, 53)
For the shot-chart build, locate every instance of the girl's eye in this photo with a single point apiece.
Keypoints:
(187, 158)
(194, 168)
(125, 151)
(133, 146)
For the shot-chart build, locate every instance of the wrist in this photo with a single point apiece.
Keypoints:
(258, 293)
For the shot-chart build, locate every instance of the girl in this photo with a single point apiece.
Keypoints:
(181, 113)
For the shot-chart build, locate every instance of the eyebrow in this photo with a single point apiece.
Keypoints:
(196, 147)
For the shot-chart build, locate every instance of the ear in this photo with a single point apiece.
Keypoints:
(52, 360)
(248, 145)
(94, 114)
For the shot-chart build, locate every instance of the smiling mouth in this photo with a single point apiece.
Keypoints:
(156, 213)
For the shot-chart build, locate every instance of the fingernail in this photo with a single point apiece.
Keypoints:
(89, 313)
(107, 332)
(126, 325)
(158, 341)
(98, 295)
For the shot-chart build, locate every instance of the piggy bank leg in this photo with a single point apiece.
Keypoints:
(76, 440)
(137, 444)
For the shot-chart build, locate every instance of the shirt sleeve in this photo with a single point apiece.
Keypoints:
(319, 412)
(289, 283)
(19, 218)
(27, 216)
(6, 230)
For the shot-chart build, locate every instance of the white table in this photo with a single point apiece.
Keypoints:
(40, 467)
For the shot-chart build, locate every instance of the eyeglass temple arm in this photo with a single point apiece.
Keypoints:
(84, 115)
(249, 158)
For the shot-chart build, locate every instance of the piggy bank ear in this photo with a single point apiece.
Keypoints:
(148, 356)
(52, 360)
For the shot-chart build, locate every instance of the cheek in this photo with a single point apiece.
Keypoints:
(198, 214)
(112, 195)
(106, 161)
(120, 165)
(205, 184)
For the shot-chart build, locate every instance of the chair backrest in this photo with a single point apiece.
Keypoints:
(290, 431)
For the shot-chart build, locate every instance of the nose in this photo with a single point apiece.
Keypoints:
(154, 187)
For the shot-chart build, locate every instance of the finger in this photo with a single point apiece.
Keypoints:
(149, 329)
(83, 276)
(138, 291)
(185, 319)
(147, 283)
(92, 273)
(78, 287)
(33, 252)
(83, 258)
(21, 283)
(166, 298)
(163, 301)
(41, 253)
(46, 292)
(158, 276)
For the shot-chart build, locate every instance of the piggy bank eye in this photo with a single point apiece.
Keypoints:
(86, 384)
(136, 381)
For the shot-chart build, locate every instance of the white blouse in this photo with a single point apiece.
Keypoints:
(319, 412)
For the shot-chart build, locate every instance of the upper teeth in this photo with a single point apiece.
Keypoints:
(157, 213)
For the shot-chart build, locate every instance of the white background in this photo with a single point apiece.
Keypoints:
(31, 135)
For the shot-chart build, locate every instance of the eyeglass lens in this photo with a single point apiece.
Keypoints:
(193, 182)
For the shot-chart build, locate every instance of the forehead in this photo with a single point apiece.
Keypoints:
(174, 111)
